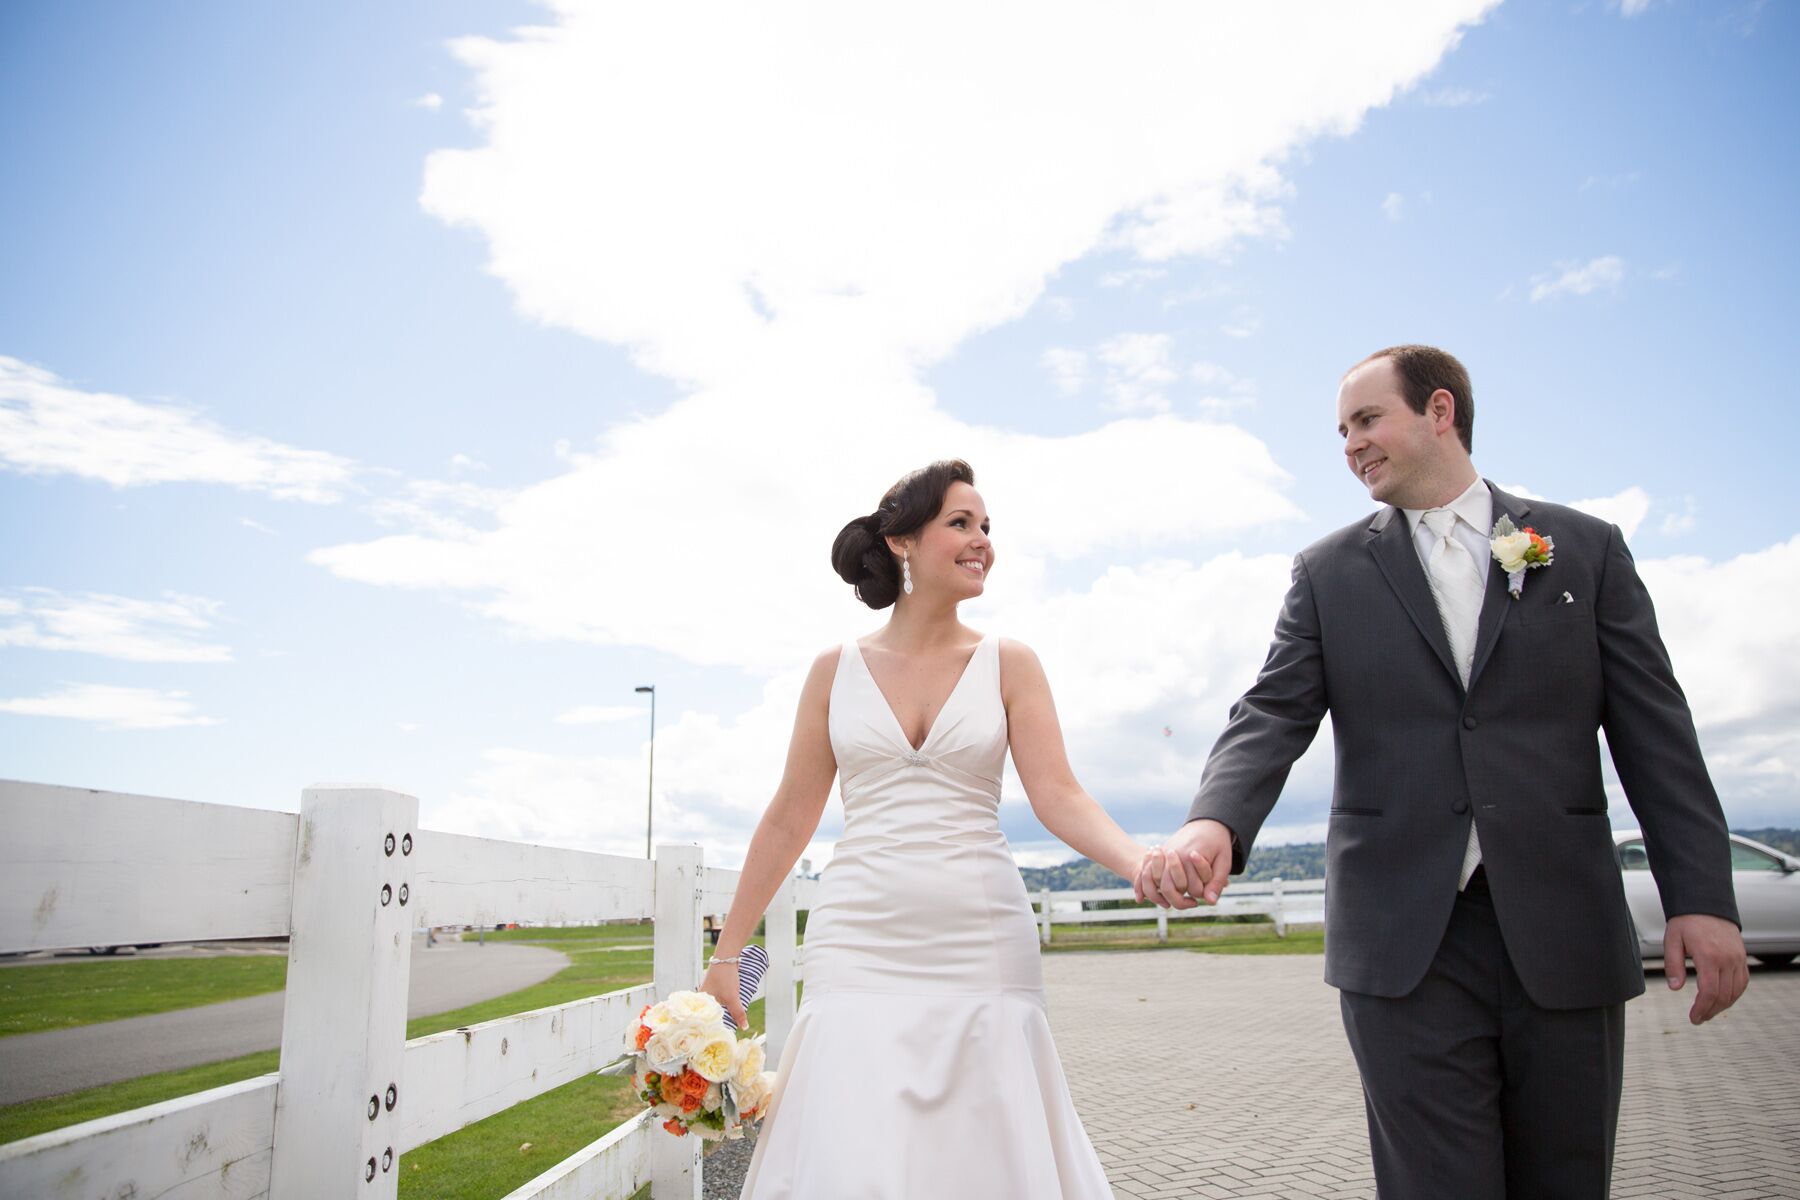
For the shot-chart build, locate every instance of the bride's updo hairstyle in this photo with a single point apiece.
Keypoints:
(861, 555)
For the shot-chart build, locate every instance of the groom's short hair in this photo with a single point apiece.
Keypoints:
(1425, 369)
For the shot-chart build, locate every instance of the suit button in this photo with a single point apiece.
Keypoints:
(1460, 807)
(1468, 722)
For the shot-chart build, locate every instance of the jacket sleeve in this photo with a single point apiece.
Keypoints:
(1650, 734)
(1270, 726)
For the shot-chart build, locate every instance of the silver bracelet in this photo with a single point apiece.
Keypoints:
(714, 961)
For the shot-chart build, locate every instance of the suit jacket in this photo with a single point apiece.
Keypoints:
(1419, 757)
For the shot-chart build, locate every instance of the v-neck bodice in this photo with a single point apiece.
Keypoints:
(961, 758)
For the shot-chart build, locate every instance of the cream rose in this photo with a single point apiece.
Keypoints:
(1510, 550)
(695, 1006)
(660, 1051)
(688, 1037)
(715, 1058)
(658, 1017)
(751, 1059)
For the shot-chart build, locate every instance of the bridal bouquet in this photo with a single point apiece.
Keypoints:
(687, 1066)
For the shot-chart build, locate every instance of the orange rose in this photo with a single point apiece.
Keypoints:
(643, 1036)
(689, 1103)
(675, 1127)
(670, 1089)
(693, 1084)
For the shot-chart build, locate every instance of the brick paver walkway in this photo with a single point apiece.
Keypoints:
(1710, 1112)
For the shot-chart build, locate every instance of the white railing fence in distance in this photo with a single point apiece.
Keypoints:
(1301, 903)
(348, 879)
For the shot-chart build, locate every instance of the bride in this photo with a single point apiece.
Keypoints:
(920, 1063)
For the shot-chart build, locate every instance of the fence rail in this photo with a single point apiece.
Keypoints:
(1298, 903)
(347, 880)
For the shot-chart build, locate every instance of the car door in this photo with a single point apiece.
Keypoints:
(1768, 897)
(1641, 896)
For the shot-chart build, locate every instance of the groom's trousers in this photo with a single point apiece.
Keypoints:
(1474, 1092)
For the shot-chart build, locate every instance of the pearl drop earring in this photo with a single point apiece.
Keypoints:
(905, 573)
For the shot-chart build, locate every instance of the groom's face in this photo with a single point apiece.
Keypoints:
(1389, 447)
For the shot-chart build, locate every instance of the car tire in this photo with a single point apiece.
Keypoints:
(1773, 960)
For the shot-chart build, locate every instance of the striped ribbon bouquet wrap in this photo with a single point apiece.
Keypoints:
(687, 1064)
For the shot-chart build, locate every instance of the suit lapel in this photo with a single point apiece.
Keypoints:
(1391, 543)
(1498, 601)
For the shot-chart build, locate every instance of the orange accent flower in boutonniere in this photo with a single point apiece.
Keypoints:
(1518, 551)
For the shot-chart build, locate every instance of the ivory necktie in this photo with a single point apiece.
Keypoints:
(1457, 584)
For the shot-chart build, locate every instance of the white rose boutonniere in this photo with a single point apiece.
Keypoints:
(1518, 551)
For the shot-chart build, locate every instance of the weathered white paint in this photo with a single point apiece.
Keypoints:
(1286, 903)
(479, 881)
(462, 1075)
(611, 1168)
(343, 1032)
(680, 887)
(779, 996)
(88, 868)
(718, 887)
(212, 1145)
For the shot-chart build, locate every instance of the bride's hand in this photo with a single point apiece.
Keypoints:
(1146, 883)
(721, 983)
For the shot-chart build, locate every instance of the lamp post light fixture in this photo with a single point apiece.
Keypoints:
(650, 800)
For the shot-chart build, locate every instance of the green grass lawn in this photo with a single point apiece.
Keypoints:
(481, 1160)
(66, 994)
(1235, 936)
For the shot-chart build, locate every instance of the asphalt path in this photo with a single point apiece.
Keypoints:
(445, 977)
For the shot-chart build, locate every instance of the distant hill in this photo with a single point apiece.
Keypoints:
(1266, 862)
(1284, 862)
(1785, 840)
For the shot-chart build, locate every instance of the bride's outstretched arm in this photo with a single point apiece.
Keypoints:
(1059, 800)
(786, 827)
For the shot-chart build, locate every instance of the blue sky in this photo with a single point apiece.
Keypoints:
(349, 433)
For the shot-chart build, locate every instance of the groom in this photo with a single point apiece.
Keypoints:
(1476, 923)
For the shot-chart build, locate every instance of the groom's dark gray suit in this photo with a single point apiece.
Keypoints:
(1419, 757)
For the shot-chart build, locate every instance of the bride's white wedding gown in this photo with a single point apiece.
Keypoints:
(920, 1065)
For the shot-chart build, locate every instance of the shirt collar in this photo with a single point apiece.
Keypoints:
(1475, 506)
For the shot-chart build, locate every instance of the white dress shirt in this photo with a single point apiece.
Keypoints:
(1474, 511)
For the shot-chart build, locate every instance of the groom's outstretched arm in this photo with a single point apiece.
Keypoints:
(1270, 726)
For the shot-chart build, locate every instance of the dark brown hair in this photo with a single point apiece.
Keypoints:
(860, 553)
(1425, 369)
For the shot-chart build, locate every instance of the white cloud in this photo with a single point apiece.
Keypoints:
(598, 714)
(1734, 653)
(1245, 324)
(1454, 97)
(1068, 369)
(1674, 524)
(1132, 277)
(164, 631)
(1579, 279)
(49, 427)
(1626, 509)
(1630, 8)
(430, 100)
(1137, 371)
(247, 523)
(115, 707)
(1394, 207)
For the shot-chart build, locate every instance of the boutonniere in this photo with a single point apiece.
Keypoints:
(1518, 551)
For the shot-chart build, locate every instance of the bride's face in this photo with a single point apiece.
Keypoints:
(952, 553)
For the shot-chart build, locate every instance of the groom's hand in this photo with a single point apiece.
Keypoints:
(1200, 861)
(1721, 972)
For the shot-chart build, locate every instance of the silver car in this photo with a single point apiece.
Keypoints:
(1768, 897)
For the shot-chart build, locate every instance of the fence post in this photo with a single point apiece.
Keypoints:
(1044, 913)
(343, 1031)
(1280, 914)
(781, 941)
(1162, 924)
(675, 964)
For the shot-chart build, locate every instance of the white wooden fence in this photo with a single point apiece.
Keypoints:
(347, 880)
(1301, 903)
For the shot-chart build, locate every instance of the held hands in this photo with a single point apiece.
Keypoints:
(1720, 971)
(721, 983)
(1192, 867)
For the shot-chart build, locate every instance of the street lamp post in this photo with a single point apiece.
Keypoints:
(650, 801)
